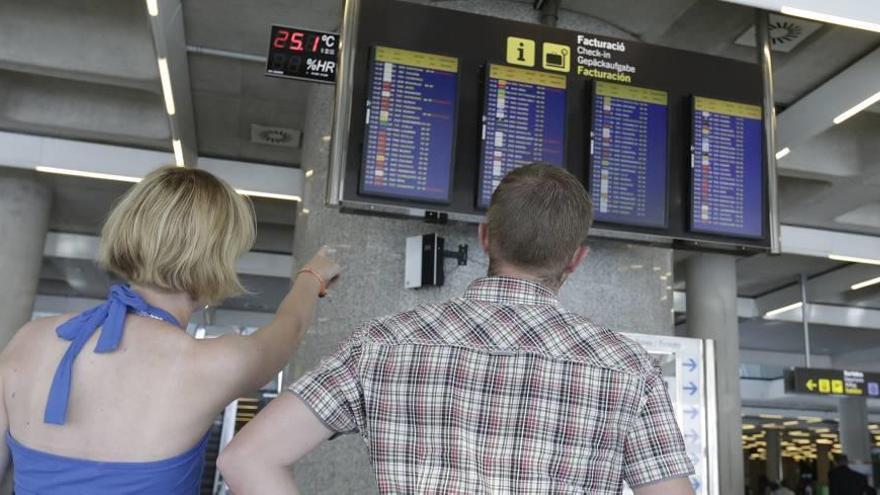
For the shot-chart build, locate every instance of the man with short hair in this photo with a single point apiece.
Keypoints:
(842, 480)
(499, 391)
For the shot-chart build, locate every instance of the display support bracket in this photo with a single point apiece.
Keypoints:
(342, 108)
(765, 59)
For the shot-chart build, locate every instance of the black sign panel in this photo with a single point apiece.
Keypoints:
(303, 54)
(584, 60)
(832, 382)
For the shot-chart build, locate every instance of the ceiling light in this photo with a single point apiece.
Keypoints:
(258, 194)
(858, 108)
(853, 259)
(90, 175)
(866, 283)
(783, 309)
(165, 78)
(770, 416)
(153, 7)
(178, 152)
(783, 153)
(310, 172)
(833, 19)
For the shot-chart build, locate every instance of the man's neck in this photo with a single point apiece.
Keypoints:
(179, 304)
(513, 272)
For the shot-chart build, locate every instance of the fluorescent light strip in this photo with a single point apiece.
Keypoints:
(866, 283)
(153, 7)
(90, 175)
(783, 309)
(165, 77)
(833, 19)
(258, 194)
(783, 153)
(853, 259)
(125, 178)
(858, 108)
(178, 152)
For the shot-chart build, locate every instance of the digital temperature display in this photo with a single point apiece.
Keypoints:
(303, 54)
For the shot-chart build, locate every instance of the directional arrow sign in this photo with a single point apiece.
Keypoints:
(693, 412)
(692, 436)
(690, 364)
(691, 388)
(811, 385)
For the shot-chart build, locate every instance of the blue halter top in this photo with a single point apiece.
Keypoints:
(37, 472)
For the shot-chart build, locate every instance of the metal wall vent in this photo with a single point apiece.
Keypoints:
(275, 136)
(786, 33)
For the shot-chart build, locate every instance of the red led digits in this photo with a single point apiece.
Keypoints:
(281, 38)
(296, 42)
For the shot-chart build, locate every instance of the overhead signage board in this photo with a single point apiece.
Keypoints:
(529, 92)
(816, 381)
(305, 54)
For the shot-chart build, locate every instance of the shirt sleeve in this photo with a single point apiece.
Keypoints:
(654, 449)
(333, 391)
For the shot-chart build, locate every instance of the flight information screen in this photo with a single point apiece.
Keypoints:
(410, 129)
(524, 114)
(629, 155)
(727, 169)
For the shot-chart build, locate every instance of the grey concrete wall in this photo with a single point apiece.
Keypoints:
(24, 221)
(623, 286)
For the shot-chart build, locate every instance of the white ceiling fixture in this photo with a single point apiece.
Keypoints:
(178, 152)
(786, 33)
(854, 259)
(867, 102)
(866, 283)
(783, 153)
(778, 311)
(153, 7)
(834, 19)
(90, 175)
(165, 78)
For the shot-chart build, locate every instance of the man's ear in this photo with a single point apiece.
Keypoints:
(577, 258)
(483, 234)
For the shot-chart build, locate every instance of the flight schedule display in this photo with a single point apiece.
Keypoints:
(727, 172)
(410, 125)
(524, 114)
(629, 155)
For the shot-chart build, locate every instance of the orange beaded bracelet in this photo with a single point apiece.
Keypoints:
(323, 291)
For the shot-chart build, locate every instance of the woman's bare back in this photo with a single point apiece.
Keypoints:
(139, 403)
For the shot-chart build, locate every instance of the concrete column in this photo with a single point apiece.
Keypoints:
(711, 314)
(854, 438)
(24, 221)
(774, 455)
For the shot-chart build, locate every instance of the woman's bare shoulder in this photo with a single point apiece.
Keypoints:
(32, 335)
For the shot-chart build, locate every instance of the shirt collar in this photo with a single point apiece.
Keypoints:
(510, 291)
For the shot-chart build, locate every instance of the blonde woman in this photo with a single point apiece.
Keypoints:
(118, 400)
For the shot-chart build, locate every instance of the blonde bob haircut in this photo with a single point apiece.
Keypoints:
(180, 230)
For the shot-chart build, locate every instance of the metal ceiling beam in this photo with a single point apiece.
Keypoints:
(815, 112)
(37, 152)
(85, 247)
(169, 39)
(843, 12)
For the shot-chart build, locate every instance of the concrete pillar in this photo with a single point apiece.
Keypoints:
(24, 222)
(711, 314)
(774, 455)
(854, 438)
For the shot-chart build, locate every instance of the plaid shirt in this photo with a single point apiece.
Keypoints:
(500, 391)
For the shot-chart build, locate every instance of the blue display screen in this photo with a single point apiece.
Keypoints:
(628, 155)
(410, 129)
(727, 183)
(524, 114)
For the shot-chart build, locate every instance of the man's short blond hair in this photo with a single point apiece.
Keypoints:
(539, 216)
(180, 230)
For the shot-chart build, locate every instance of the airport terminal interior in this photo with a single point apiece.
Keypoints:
(731, 149)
